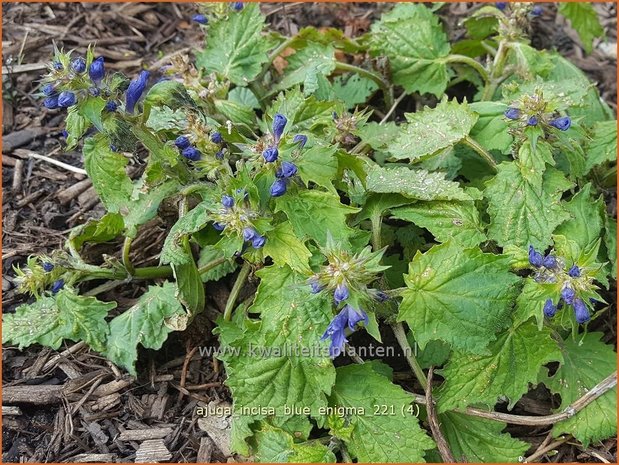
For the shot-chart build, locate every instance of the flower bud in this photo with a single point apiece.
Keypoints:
(78, 65)
(532, 121)
(568, 294)
(94, 91)
(537, 10)
(227, 201)
(270, 154)
(574, 272)
(182, 142)
(135, 90)
(111, 106)
(220, 155)
(216, 138)
(66, 99)
(340, 294)
(249, 233)
(237, 6)
(258, 241)
(48, 267)
(96, 71)
(501, 5)
(48, 90)
(562, 124)
(51, 103)
(201, 19)
(279, 123)
(219, 226)
(191, 153)
(315, 286)
(581, 311)
(550, 262)
(549, 308)
(57, 286)
(512, 113)
(288, 169)
(58, 66)
(278, 188)
(300, 139)
(535, 258)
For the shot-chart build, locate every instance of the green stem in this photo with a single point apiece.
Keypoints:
(234, 293)
(126, 259)
(211, 265)
(472, 63)
(400, 335)
(377, 221)
(480, 150)
(382, 83)
(497, 71)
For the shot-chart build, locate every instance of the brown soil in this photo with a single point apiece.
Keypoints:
(42, 202)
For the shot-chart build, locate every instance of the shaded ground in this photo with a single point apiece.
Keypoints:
(89, 403)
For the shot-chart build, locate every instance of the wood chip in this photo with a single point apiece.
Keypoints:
(37, 395)
(205, 451)
(112, 387)
(143, 434)
(10, 411)
(100, 458)
(153, 450)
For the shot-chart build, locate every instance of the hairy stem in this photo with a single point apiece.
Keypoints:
(472, 63)
(126, 252)
(480, 150)
(400, 335)
(384, 85)
(497, 71)
(234, 293)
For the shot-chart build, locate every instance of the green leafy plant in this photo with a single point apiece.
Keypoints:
(473, 232)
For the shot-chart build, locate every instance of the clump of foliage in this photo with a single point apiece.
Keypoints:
(475, 231)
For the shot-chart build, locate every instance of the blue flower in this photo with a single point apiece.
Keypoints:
(249, 233)
(191, 153)
(227, 201)
(270, 154)
(182, 142)
(300, 139)
(78, 65)
(258, 241)
(135, 90)
(535, 258)
(200, 19)
(220, 155)
(57, 286)
(568, 294)
(237, 6)
(501, 5)
(563, 123)
(64, 133)
(279, 123)
(58, 66)
(512, 113)
(550, 262)
(66, 99)
(96, 71)
(278, 188)
(315, 286)
(216, 137)
(48, 90)
(549, 308)
(537, 10)
(219, 226)
(581, 311)
(51, 102)
(348, 317)
(111, 106)
(532, 121)
(47, 267)
(574, 272)
(287, 170)
(94, 91)
(341, 293)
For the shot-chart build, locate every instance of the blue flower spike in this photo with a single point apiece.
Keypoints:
(535, 258)
(278, 188)
(512, 113)
(135, 90)
(581, 311)
(279, 123)
(182, 142)
(270, 154)
(549, 308)
(568, 294)
(57, 286)
(66, 99)
(200, 19)
(227, 201)
(96, 71)
(341, 293)
(574, 272)
(78, 65)
(562, 124)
